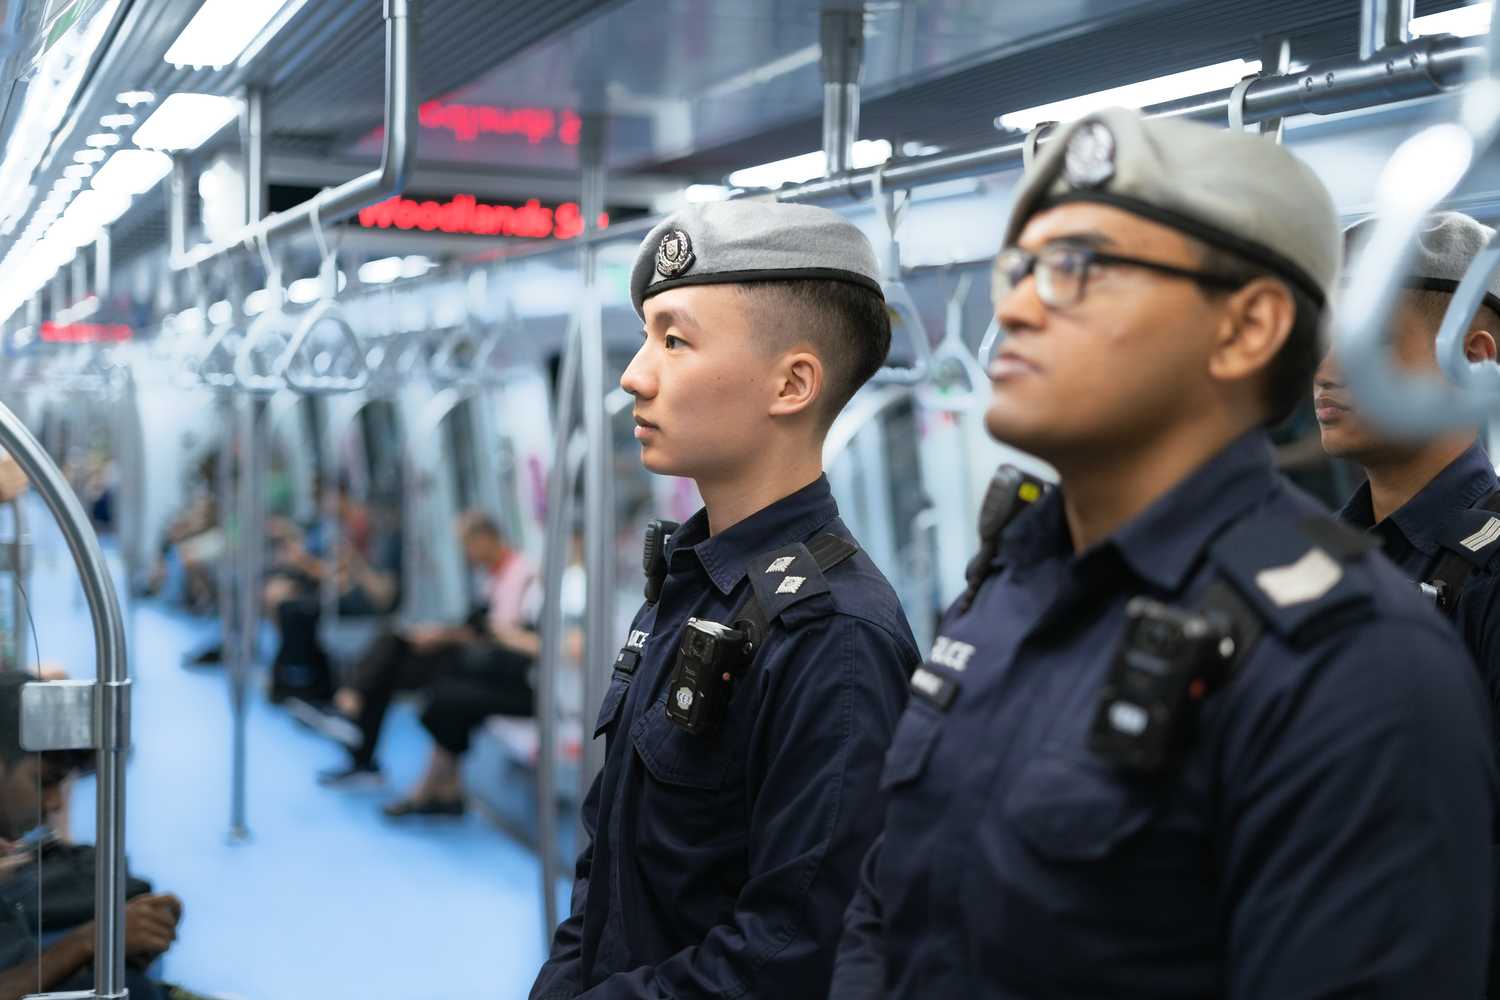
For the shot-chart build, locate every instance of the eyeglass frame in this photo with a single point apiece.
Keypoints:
(1091, 257)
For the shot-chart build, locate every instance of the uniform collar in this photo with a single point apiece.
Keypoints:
(1466, 481)
(726, 556)
(1163, 543)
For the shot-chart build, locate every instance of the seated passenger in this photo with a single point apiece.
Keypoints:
(469, 671)
(31, 792)
(367, 575)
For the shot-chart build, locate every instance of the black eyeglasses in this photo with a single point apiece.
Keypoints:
(1062, 272)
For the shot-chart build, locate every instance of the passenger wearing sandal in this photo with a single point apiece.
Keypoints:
(739, 787)
(491, 654)
(1185, 735)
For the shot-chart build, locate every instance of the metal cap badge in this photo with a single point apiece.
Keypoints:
(1090, 157)
(674, 254)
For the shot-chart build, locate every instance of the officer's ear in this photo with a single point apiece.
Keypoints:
(799, 383)
(1258, 319)
(1479, 343)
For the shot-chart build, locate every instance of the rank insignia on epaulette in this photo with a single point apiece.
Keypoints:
(1308, 579)
(1484, 537)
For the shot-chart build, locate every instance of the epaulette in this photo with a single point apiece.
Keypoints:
(1296, 575)
(792, 574)
(1473, 535)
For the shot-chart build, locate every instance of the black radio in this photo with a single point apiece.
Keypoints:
(1167, 663)
(709, 658)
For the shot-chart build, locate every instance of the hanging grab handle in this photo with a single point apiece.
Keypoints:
(898, 297)
(955, 381)
(318, 368)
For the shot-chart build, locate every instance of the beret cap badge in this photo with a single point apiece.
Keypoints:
(1089, 160)
(674, 254)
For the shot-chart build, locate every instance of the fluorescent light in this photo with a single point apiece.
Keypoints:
(1135, 95)
(220, 31)
(78, 170)
(1465, 22)
(89, 155)
(131, 98)
(90, 212)
(186, 121)
(257, 302)
(698, 193)
(133, 171)
(304, 290)
(120, 120)
(415, 266)
(102, 140)
(220, 312)
(69, 184)
(380, 272)
(796, 169)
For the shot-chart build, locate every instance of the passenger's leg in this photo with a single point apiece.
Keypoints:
(391, 665)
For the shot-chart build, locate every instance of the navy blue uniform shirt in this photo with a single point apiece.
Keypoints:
(1326, 834)
(720, 866)
(1445, 517)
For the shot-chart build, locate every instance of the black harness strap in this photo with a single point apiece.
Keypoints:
(1447, 579)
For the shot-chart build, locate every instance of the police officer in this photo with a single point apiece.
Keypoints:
(760, 684)
(1185, 736)
(1429, 500)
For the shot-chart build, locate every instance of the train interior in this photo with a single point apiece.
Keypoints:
(283, 279)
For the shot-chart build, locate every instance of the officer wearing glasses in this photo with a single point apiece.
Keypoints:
(1185, 735)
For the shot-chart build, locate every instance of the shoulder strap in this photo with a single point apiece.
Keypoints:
(785, 577)
(1463, 553)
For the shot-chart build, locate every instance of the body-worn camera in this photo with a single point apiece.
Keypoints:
(1168, 661)
(709, 657)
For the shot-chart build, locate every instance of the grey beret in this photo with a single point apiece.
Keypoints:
(1446, 247)
(1232, 190)
(729, 242)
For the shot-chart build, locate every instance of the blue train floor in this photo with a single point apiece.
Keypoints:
(327, 900)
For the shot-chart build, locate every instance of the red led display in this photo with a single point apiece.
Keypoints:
(85, 333)
(468, 122)
(466, 214)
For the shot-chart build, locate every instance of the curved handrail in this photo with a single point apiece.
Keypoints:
(1423, 172)
(955, 381)
(112, 695)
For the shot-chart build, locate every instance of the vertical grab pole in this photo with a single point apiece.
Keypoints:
(20, 564)
(252, 410)
(554, 563)
(599, 509)
(111, 724)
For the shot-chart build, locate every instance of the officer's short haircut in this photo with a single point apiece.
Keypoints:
(1291, 371)
(847, 325)
(1432, 306)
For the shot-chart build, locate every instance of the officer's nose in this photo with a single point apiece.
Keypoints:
(637, 378)
(1329, 375)
(1018, 308)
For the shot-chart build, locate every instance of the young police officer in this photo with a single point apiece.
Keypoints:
(1429, 500)
(1185, 736)
(750, 709)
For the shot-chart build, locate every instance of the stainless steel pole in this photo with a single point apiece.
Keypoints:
(843, 41)
(111, 703)
(1383, 23)
(558, 539)
(20, 564)
(599, 510)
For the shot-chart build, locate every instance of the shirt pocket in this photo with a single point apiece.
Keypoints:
(1072, 810)
(676, 757)
(911, 747)
(614, 700)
